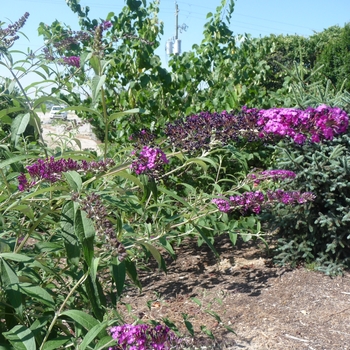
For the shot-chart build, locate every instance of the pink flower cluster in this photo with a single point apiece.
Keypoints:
(73, 61)
(149, 160)
(51, 170)
(314, 124)
(143, 337)
(253, 201)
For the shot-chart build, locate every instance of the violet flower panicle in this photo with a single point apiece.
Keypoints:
(73, 61)
(254, 201)
(274, 174)
(51, 170)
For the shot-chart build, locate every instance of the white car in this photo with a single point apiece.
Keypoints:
(56, 113)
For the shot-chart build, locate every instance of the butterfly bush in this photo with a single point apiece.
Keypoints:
(199, 131)
(149, 161)
(143, 337)
(51, 170)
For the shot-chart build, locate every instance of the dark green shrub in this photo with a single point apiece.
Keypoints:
(319, 230)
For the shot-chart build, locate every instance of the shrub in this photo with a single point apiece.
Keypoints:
(319, 230)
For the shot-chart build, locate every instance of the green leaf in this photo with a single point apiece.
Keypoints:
(96, 85)
(16, 257)
(45, 247)
(132, 272)
(246, 237)
(84, 229)
(19, 126)
(189, 326)
(71, 241)
(92, 334)
(214, 314)
(83, 109)
(101, 345)
(10, 282)
(197, 301)
(27, 210)
(38, 293)
(119, 274)
(74, 180)
(233, 237)
(157, 256)
(122, 114)
(175, 196)
(165, 243)
(207, 241)
(5, 112)
(57, 343)
(207, 331)
(82, 318)
(96, 296)
(21, 338)
(16, 159)
(95, 64)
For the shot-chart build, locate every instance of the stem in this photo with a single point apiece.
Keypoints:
(5, 181)
(58, 313)
(105, 117)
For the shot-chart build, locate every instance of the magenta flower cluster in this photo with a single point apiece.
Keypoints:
(196, 132)
(143, 337)
(254, 201)
(314, 124)
(149, 161)
(274, 175)
(51, 170)
(73, 61)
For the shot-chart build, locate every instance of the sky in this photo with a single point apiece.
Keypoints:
(255, 17)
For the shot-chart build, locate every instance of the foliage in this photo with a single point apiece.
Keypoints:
(333, 57)
(76, 226)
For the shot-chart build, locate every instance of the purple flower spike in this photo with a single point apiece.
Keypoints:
(254, 201)
(274, 175)
(73, 61)
(51, 170)
(106, 25)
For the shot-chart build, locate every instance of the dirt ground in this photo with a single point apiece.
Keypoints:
(268, 307)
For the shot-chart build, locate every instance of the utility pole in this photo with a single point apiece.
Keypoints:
(176, 21)
(177, 43)
(173, 45)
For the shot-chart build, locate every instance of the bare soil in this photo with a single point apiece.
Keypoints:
(267, 306)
